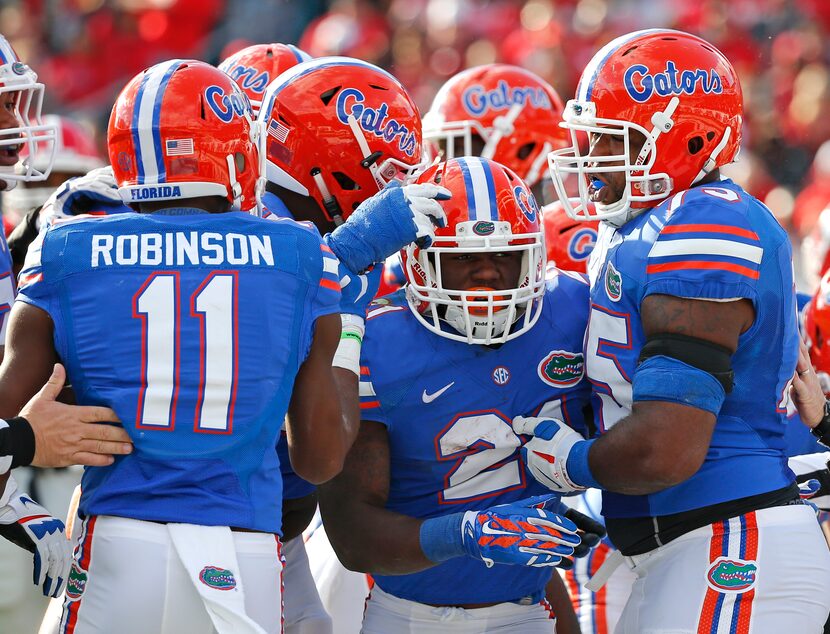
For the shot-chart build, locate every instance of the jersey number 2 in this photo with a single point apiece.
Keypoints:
(158, 305)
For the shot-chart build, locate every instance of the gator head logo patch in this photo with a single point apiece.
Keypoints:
(217, 578)
(613, 283)
(561, 368)
(76, 582)
(484, 228)
(732, 575)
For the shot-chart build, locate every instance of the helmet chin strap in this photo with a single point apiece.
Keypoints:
(235, 187)
(711, 162)
(502, 127)
(536, 167)
(330, 203)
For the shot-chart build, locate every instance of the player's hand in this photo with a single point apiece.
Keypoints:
(590, 530)
(386, 222)
(71, 434)
(358, 291)
(82, 194)
(546, 454)
(813, 477)
(806, 390)
(522, 534)
(27, 524)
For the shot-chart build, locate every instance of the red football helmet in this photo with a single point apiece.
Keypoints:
(514, 113)
(183, 129)
(491, 210)
(75, 154)
(254, 67)
(569, 243)
(676, 91)
(817, 326)
(338, 129)
(29, 131)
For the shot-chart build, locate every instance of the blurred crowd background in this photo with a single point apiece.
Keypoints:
(85, 51)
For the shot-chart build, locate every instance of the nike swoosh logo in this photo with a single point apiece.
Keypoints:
(486, 530)
(428, 398)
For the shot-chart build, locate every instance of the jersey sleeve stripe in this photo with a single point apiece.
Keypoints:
(366, 388)
(30, 278)
(377, 312)
(331, 265)
(364, 371)
(370, 405)
(326, 249)
(685, 265)
(332, 285)
(710, 228)
(706, 247)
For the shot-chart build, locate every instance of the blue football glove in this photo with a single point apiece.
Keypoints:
(387, 222)
(26, 523)
(358, 291)
(521, 534)
(546, 454)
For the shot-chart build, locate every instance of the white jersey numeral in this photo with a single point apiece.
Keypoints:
(609, 332)
(158, 305)
(482, 446)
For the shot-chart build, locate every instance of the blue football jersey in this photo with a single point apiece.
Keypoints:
(8, 288)
(713, 242)
(192, 327)
(448, 408)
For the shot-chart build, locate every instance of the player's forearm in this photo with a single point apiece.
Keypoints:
(371, 539)
(657, 446)
(319, 441)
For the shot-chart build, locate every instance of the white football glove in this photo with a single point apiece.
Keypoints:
(427, 212)
(26, 523)
(546, 454)
(811, 471)
(96, 187)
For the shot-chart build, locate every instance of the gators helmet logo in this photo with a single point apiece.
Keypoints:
(732, 575)
(217, 578)
(561, 368)
(484, 228)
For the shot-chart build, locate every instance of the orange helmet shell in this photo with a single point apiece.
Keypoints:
(254, 67)
(183, 129)
(338, 129)
(481, 100)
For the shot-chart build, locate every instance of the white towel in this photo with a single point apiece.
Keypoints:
(209, 556)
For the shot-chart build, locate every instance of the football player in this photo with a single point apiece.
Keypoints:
(433, 498)
(691, 344)
(201, 326)
(23, 132)
(335, 159)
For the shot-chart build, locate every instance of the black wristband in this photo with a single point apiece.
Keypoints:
(822, 430)
(18, 441)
